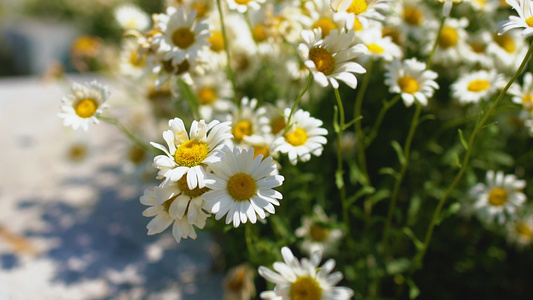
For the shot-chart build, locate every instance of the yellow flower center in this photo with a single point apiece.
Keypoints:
(375, 48)
(318, 233)
(305, 288)
(241, 129)
(201, 9)
(357, 26)
(135, 60)
(408, 84)
(86, 108)
(184, 187)
(506, 42)
(236, 282)
(207, 95)
(216, 40)
(77, 152)
(183, 37)
(86, 45)
(481, 3)
(524, 230)
(529, 21)
(477, 47)
(241, 187)
(243, 2)
(191, 153)
(478, 85)
(136, 154)
(326, 25)
(448, 37)
(261, 149)
(277, 125)
(297, 137)
(527, 102)
(357, 7)
(323, 60)
(393, 33)
(497, 196)
(412, 16)
(259, 33)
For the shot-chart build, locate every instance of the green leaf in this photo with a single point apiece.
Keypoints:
(458, 160)
(414, 208)
(380, 195)
(399, 152)
(452, 209)
(388, 171)
(462, 138)
(418, 244)
(414, 291)
(363, 191)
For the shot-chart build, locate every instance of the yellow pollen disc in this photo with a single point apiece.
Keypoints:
(135, 60)
(448, 37)
(318, 233)
(86, 108)
(191, 153)
(241, 187)
(236, 283)
(524, 230)
(412, 16)
(408, 84)
(241, 129)
(277, 125)
(259, 33)
(194, 193)
(243, 2)
(297, 137)
(86, 45)
(497, 196)
(207, 95)
(323, 60)
(375, 48)
(136, 154)
(357, 7)
(478, 85)
(77, 152)
(183, 37)
(506, 42)
(201, 9)
(527, 102)
(478, 47)
(216, 40)
(529, 21)
(357, 26)
(305, 288)
(261, 149)
(393, 33)
(326, 25)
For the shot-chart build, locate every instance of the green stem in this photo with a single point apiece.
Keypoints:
(399, 178)
(361, 156)
(340, 171)
(123, 129)
(296, 102)
(420, 256)
(435, 43)
(386, 106)
(229, 71)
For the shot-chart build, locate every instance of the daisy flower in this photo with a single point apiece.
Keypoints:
(447, 7)
(507, 50)
(524, 19)
(84, 104)
(413, 18)
(214, 93)
(248, 121)
(183, 36)
(242, 187)
(189, 153)
(242, 6)
(472, 87)
(451, 42)
(331, 59)
(499, 198)
(378, 45)
(362, 10)
(305, 137)
(520, 231)
(524, 95)
(318, 233)
(130, 16)
(239, 283)
(132, 62)
(175, 204)
(478, 54)
(304, 279)
(411, 79)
